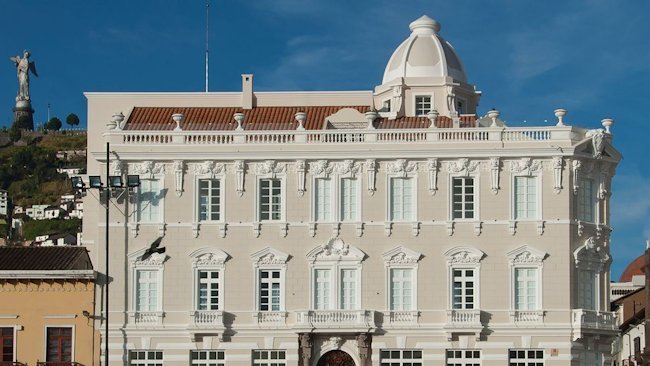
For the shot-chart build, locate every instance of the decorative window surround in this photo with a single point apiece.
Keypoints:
(525, 166)
(270, 259)
(592, 257)
(404, 170)
(557, 165)
(336, 256)
(402, 258)
(208, 259)
(537, 176)
(283, 200)
(464, 319)
(522, 258)
(464, 168)
(156, 263)
(209, 170)
(321, 169)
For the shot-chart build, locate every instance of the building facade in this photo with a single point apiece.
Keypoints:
(386, 227)
(46, 312)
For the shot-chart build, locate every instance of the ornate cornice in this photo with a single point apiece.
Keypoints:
(402, 167)
(463, 166)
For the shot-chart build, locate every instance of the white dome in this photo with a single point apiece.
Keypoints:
(424, 54)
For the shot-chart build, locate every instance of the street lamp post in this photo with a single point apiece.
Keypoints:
(114, 183)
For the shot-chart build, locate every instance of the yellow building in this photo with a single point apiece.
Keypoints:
(46, 306)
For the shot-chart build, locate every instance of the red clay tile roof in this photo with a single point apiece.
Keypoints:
(264, 118)
(635, 268)
(44, 258)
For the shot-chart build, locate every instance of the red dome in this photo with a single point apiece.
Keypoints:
(634, 269)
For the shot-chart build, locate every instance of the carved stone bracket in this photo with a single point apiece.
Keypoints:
(402, 167)
(432, 167)
(463, 166)
(495, 168)
(179, 170)
(223, 228)
(284, 229)
(371, 172)
(450, 228)
(557, 164)
(257, 229)
(312, 229)
(195, 229)
(388, 228)
(415, 229)
(604, 178)
(478, 226)
(300, 175)
(576, 166)
(359, 229)
(240, 169)
(540, 227)
(581, 228)
(512, 227)
(598, 137)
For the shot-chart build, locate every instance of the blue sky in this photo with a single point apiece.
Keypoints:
(528, 58)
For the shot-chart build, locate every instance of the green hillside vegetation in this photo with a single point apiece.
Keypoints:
(34, 228)
(29, 173)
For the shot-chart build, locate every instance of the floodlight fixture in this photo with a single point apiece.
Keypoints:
(115, 181)
(95, 181)
(133, 181)
(77, 183)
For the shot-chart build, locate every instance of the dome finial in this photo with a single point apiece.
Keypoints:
(425, 25)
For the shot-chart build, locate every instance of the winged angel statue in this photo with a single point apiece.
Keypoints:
(23, 67)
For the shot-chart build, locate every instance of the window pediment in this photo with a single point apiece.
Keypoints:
(209, 257)
(155, 260)
(269, 256)
(526, 255)
(401, 255)
(464, 255)
(336, 250)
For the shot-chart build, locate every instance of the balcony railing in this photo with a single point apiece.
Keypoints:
(147, 318)
(593, 321)
(401, 318)
(270, 318)
(458, 318)
(433, 135)
(527, 317)
(207, 318)
(336, 319)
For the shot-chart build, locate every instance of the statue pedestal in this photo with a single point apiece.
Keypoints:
(23, 111)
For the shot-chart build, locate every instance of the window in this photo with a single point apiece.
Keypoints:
(146, 290)
(526, 357)
(400, 357)
(270, 208)
(586, 200)
(525, 199)
(586, 289)
(59, 344)
(146, 358)
(526, 289)
(348, 289)
(263, 357)
(349, 196)
(7, 344)
(150, 200)
(323, 199)
(208, 291)
(422, 105)
(463, 289)
(322, 288)
(401, 289)
(270, 290)
(463, 198)
(463, 357)
(401, 199)
(385, 106)
(460, 106)
(325, 293)
(209, 200)
(207, 358)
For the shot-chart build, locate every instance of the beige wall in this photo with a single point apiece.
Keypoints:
(32, 306)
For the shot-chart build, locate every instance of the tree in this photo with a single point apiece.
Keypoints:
(24, 123)
(15, 133)
(72, 120)
(54, 124)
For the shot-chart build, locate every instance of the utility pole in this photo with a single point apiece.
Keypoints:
(207, 51)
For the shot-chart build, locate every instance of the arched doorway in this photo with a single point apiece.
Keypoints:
(336, 358)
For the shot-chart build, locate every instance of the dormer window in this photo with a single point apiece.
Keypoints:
(422, 105)
(385, 106)
(460, 107)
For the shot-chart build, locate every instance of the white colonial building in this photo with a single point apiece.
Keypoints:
(385, 227)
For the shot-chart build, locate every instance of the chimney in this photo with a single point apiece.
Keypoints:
(247, 91)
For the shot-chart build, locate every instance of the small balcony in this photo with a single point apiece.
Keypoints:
(464, 321)
(593, 322)
(401, 318)
(527, 317)
(147, 318)
(207, 319)
(271, 318)
(336, 320)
